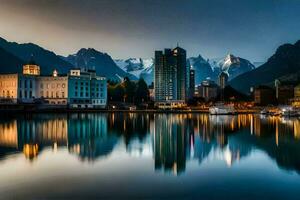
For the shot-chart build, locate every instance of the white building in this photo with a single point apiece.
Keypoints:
(78, 89)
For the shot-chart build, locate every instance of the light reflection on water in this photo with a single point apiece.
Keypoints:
(149, 152)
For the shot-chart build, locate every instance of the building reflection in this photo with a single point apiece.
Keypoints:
(172, 139)
(88, 136)
(170, 142)
(178, 138)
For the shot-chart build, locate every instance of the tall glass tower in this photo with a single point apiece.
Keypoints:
(170, 79)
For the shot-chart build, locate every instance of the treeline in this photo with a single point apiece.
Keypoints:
(128, 91)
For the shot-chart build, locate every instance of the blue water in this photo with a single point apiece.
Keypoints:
(138, 156)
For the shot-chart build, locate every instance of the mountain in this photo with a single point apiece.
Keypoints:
(101, 62)
(257, 64)
(232, 65)
(46, 59)
(284, 63)
(138, 67)
(202, 68)
(9, 63)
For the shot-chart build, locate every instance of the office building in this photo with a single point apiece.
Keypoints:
(171, 75)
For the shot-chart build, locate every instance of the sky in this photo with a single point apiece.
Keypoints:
(251, 29)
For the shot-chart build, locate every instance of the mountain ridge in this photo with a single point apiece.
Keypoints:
(283, 63)
(48, 60)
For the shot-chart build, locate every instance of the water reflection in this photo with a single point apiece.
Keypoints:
(172, 140)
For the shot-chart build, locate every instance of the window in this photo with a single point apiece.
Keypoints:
(76, 94)
(25, 83)
(30, 83)
(20, 94)
(63, 94)
(57, 95)
(63, 85)
(30, 94)
(81, 94)
(86, 94)
(25, 94)
(42, 85)
(47, 95)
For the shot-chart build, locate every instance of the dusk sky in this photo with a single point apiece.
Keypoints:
(252, 29)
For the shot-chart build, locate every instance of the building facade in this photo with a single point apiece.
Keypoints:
(78, 89)
(264, 95)
(17, 88)
(53, 89)
(208, 90)
(86, 89)
(296, 100)
(171, 74)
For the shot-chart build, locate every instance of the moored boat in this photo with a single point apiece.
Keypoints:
(222, 109)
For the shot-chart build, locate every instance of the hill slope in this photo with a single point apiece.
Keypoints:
(285, 62)
(46, 59)
(9, 63)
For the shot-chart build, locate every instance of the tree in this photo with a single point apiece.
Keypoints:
(141, 93)
(129, 88)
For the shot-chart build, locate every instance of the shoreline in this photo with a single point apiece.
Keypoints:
(67, 110)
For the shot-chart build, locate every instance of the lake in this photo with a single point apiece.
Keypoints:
(156, 156)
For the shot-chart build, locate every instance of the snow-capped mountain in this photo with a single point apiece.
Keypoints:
(232, 65)
(210, 68)
(203, 69)
(138, 67)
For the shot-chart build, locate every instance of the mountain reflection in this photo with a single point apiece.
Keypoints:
(172, 139)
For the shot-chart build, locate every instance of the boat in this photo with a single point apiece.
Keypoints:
(222, 109)
(264, 112)
(289, 112)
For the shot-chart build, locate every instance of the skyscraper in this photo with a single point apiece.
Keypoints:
(223, 79)
(192, 83)
(171, 75)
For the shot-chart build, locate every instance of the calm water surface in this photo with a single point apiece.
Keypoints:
(178, 156)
